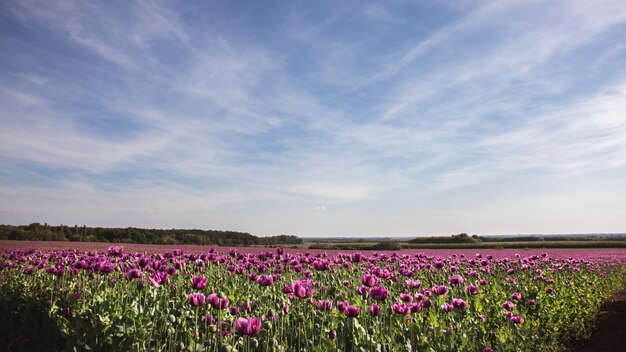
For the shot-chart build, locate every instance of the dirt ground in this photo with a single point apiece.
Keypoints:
(609, 333)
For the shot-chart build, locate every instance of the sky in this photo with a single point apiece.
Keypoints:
(315, 118)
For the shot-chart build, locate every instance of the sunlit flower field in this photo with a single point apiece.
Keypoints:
(277, 300)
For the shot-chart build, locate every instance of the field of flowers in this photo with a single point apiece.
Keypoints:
(277, 300)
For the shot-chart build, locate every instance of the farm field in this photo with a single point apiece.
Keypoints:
(96, 296)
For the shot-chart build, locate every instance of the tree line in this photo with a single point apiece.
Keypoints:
(45, 232)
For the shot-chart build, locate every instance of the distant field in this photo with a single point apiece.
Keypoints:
(359, 245)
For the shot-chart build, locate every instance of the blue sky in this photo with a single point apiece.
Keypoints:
(315, 118)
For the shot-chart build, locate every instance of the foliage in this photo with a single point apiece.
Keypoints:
(281, 301)
(45, 232)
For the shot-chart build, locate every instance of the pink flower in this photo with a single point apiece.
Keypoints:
(370, 280)
(248, 326)
(440, 290)
(473, 290)
(303, 288)
(516, 296)
(374, 310)
(218, 302)
(379, 293)
(198, 282)
(508, 305)
(158, 278)
(456, 280)
(265, 280)
(517, 319)
(459, 303)
(196, 299)
(352, 311)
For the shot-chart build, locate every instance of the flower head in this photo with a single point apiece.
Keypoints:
(199, 282)
(248, 326)
(196, 299)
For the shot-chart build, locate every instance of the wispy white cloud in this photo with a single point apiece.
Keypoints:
(175, 108)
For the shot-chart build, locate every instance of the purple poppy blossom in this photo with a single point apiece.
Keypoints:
(517, 319)
(440, 290)
(303, 288)
(456, 280)
(362, 290)
(374, 310)
(508, 305)
(199, 282)
(218, 302)
(370, 280)
(471, 289)
(158, 278)
(413, 283)
(249, 326)
(447, 307)
(133, 274)
(324, 305)
(379, 293)
(351, 311)
(196, 299)
(459, 303)
(406, 297)
(265, 280)
(401, 308)
(516, 296)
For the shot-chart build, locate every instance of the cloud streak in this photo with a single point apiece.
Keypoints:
(393, 113)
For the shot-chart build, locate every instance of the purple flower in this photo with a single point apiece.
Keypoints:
(303, 288)
(332, 335)
(208, 319)
(324, 305)
(456, 280)
(379, 293)
(362, 290)
(517, 319)
(459, 303)
(401, 308)
(374, 310)
(321, 265)
(158, 278)
(487, 349)
(549, 290)
(406, 297)
(265, 280)
(248, 326)
(218, 302)
(198, 282)
(413, 283)
(286, 309)
(27, 271)
(352, 311)
(196, 299)
(133, 274)
(116, 251)
(516, 296)
(447, 307)
(508, 305)
(440, 290)
(473, 290)
(370, 280)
